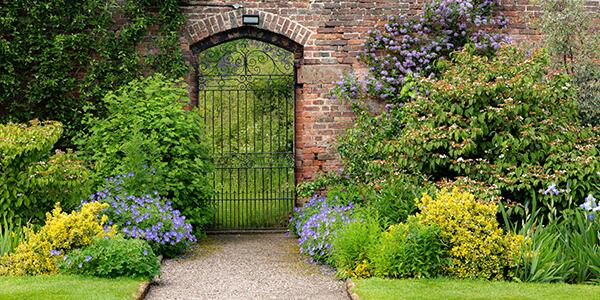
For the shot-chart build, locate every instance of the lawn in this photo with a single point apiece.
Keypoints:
(376, 288)
(66, 287)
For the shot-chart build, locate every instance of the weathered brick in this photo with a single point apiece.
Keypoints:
(331, 34)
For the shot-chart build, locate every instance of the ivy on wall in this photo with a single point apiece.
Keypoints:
(59, 57)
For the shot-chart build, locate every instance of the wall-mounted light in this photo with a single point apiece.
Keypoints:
(250, 19)
(234, 6)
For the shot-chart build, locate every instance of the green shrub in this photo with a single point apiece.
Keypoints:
(32, 181)
(478, 247)
(410, 249)
(396, 198)
(112, 257)
(152, 110)
(501, 123)
(353, 243)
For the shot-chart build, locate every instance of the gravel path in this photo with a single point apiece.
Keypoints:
(249, 266)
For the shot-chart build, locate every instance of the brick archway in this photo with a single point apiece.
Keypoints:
(325, 38)
(226, 21)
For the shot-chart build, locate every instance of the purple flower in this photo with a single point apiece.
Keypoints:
(551, 190)
(54, 252)
(88, 258)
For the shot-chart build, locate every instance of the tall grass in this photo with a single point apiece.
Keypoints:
(10, 236)
(565, 249)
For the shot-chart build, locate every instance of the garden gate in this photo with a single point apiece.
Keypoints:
(246, 92)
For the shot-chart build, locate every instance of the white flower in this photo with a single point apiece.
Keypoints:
(590, 204)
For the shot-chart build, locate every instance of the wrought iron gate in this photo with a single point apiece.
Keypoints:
(246, 92)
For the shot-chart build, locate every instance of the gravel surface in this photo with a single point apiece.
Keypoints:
(248, 266)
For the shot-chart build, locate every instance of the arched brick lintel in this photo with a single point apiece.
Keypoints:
(226, 21)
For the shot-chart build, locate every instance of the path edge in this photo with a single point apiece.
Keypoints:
(145, 285)
(350, 290)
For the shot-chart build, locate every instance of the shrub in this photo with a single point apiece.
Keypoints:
(112, 257)
(353, 243)
(499, 122)
(32, 181)
(152, 110)
(147, 216)
(316, 224)
(396, 198)
(410, 249)
(39, 252)
(478, 247)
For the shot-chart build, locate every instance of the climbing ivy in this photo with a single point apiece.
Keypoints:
(59, 57)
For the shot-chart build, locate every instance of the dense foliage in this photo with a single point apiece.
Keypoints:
(148, 126)
(573, 42)
(58, 58)
(478, 246)
(145, 216)
(353, 246)
(565, 249)
(498, 123)
(410, 249)
(31, 180)
(39, 252)
(114, 257)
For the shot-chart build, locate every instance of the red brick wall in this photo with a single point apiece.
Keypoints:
(332, 34)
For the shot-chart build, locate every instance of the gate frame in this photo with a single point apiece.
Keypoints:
(259, 34)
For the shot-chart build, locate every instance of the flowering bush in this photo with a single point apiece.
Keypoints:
(478, 247)
(407, 47)
(112, 257)
(39, 252)
(500, 122)
(316, 224)
(147, 217)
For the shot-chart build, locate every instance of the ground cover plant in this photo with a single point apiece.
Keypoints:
(110, 258)
(147, 126)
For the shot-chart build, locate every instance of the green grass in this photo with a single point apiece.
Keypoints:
(376, 288)
(66, 287)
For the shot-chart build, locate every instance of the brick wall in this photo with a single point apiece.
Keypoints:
(330, 34)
